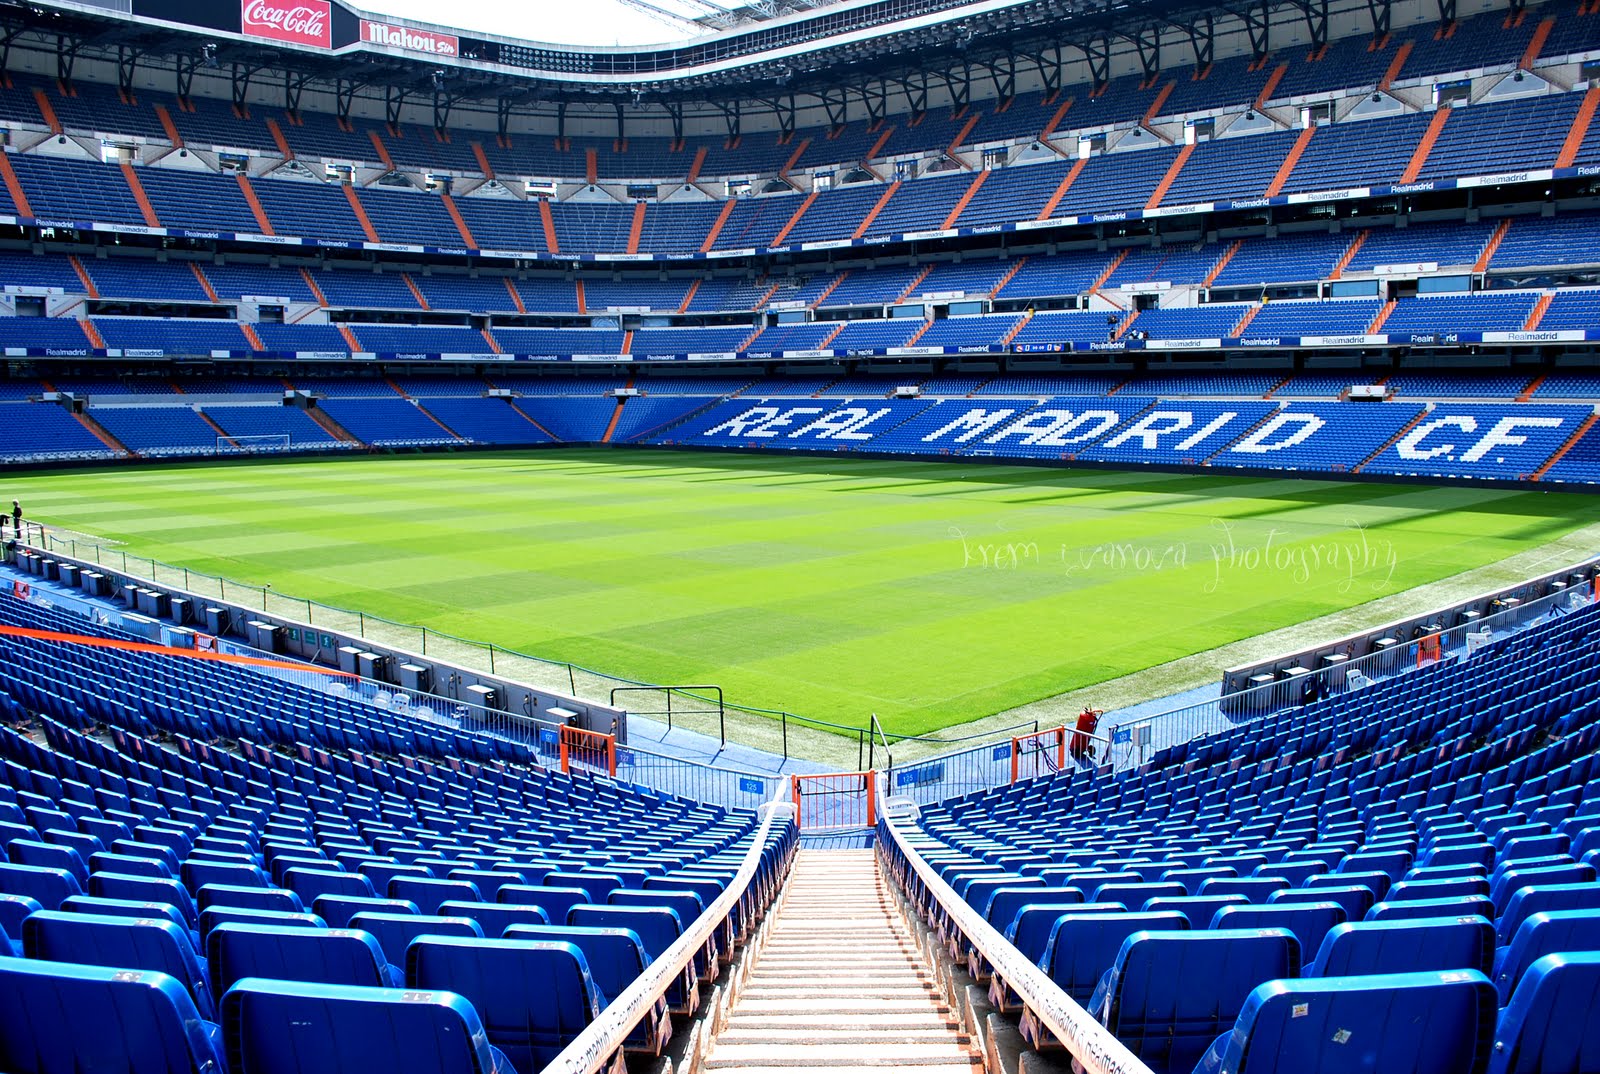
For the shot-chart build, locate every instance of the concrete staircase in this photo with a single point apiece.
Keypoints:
(838, 985)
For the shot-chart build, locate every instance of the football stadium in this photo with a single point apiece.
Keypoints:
(955, 536)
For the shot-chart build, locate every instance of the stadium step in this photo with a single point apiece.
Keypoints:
(1536, 44)
(1281, 176)
(783, 232)
(1487, 253)
(1061, 191)
(1401, 54)
(1222, 262)
(1536, 314)
(547, 224)
(19, 198)
(1172, 172)
(1575, 135)
(1348, 256)
(360, 211)
(1578, 434)
(1419, 158)
(877, 207)
(483, 160)
(838, 984)
(636, 225)
(460, 221)
(140, 198)
(717, 225)
(966, 198)
(168, 125)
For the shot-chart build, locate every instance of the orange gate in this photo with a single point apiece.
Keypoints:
(836, 800)
(589, 749)
(1041, 753)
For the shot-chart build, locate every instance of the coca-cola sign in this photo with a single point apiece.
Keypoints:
(383, 33)
(295, 22)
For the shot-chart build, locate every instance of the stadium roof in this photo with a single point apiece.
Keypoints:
(840, 54)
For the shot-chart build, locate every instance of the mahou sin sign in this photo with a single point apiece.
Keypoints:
(383, 33)
(296, 22)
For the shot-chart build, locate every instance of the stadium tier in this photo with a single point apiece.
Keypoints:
(198, 879)
(1312, 852)
(257, 835)
(1430, 427)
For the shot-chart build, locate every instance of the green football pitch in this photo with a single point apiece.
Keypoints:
(929, 593)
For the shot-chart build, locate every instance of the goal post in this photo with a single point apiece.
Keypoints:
(1040, 753)
(254, 445)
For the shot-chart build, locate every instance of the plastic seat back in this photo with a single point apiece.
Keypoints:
(1004, 902)
(1549, 1025)
(311, 884)
(49, 856)
(1461, 906)
(1169, 995)
(1287, 1027)
(1508, 882)
(120, 943)
(212, 916)
(1199, 909)
(144, 889)
(279, 1027)
(236, 950)
(494, 918)
(1082, 947)
(1030, 928)
(394, 932)
(1354, 901)
(554, 901)
(1308, 921)
(1408, 945)
(1257, 889)
(656, 928)
(58, 1016)
(615, 956)
(1545, 933)
(248, 898)
(534, 996)
(337, 910)
(47, 887)
(1537, 898)
(428, 893)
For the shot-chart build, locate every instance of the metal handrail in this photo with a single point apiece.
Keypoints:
(1091, 1044)
(593, 1049)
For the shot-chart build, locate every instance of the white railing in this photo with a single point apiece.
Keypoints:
(1092, 1045)
(596, 1047)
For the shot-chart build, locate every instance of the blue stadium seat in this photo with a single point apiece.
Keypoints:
(1169, 995)
(1461, 906)
(13, 910)
(395, 931)
(534, 996)
(235, 950)
(1549, 1025)
(58, 1017)
(120, 943)
(1536, 898)
(1406, 946)
(337, 910)
(1033, 923)
(1199, 909)
(276, 1027)
(248, 898)
(615, 958)
(1354, 901)
(47, 887)
(1309, 922)
(495, 918)
(1291, 1026)
(1081, 947)
(1544, 933)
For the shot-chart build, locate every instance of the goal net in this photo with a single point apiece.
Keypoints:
(253, 445)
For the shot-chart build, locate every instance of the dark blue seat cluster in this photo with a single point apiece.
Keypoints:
(1407, 870)
(184, 907)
